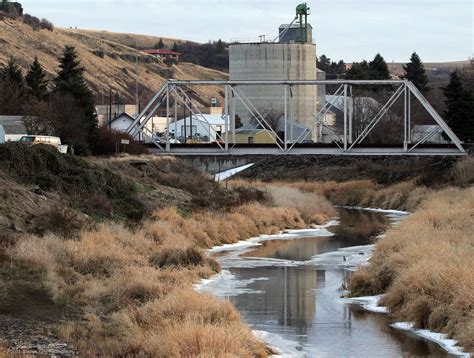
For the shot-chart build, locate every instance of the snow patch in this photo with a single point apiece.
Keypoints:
(369, 303)
(450, 345)
(226, 284)
(378, 210)
(231, 172)
(348, 257)
(315, 231)
(286, 348)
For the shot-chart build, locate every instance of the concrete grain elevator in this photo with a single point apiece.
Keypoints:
(292, 56)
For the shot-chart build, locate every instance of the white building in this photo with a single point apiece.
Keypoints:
(122, 122)
(12, 128)
(207, 129)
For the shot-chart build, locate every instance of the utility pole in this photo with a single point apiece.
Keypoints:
(110, 108)
(190, 121)
(137, 101)
(184, 109)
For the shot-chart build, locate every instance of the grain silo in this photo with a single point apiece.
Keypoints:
(293, 57)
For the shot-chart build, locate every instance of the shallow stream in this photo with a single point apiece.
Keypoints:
(288, 288)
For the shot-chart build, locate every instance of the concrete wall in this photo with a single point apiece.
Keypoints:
(275, 61)
(217, 163)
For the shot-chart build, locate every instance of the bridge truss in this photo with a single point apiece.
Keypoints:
(174, 92)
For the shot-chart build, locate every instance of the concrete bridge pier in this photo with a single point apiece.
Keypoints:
(218, 163)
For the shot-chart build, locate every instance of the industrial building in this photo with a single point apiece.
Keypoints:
(292, 57)
(254, 136)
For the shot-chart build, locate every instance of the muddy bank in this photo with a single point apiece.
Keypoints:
(381, 170)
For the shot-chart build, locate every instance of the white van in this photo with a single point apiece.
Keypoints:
(44, 139)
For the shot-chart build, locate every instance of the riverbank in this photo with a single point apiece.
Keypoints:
(117, 283)
(424, 267)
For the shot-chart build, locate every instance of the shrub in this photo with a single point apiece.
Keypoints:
(179, 257)
(45, 24)
(58, 220)
(32, 21)
(44, 166)
(110, 143)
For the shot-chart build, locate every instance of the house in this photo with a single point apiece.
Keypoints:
(245, 135)
(164, 54)
(12, 128)
(122, 122)
(106, 111)
(206, 128)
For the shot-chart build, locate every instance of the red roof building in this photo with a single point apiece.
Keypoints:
(163, 53)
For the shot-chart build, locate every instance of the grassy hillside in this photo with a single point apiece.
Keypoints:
(127, 39)
(396, 68)
(109, 65)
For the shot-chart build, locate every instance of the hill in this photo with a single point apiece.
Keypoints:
(397, 67)
(108, 59)
(128, 39)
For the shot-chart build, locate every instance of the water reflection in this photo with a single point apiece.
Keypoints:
(302, 305)
(357, 228)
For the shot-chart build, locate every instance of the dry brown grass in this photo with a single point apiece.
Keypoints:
(401, 196)
(387, 189)
(426, 268)
(135, 285)
(463, 173)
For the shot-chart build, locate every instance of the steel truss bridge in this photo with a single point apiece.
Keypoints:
(175, 92)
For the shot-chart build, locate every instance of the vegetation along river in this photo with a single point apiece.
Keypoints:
(288, 288)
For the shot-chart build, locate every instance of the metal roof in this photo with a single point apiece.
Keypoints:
(11, 119)
(212, 119)
(17, 128)
(251, 131)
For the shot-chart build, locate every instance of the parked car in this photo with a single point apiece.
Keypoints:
(44, 139)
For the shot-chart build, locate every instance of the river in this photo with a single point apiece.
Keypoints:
(288, 288)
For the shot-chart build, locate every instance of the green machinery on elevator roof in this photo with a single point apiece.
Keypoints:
(302, 11)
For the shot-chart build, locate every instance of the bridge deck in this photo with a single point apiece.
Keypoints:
(305, 149)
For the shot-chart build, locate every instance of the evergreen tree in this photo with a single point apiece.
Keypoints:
(378, 68)
(333, 69)
(70, 82)
(36, 81)
(175, 47)
(11, 72)
(415, 72)
(359, 71)
(459, 112)
(160, 45)
(323, 63)
(220, 47)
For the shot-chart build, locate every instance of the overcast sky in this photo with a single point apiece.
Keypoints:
(439, 30)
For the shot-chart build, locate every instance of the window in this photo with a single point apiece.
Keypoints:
(27, 139)
(250, 140)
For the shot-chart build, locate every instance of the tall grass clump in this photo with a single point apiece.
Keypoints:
(425, 266)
